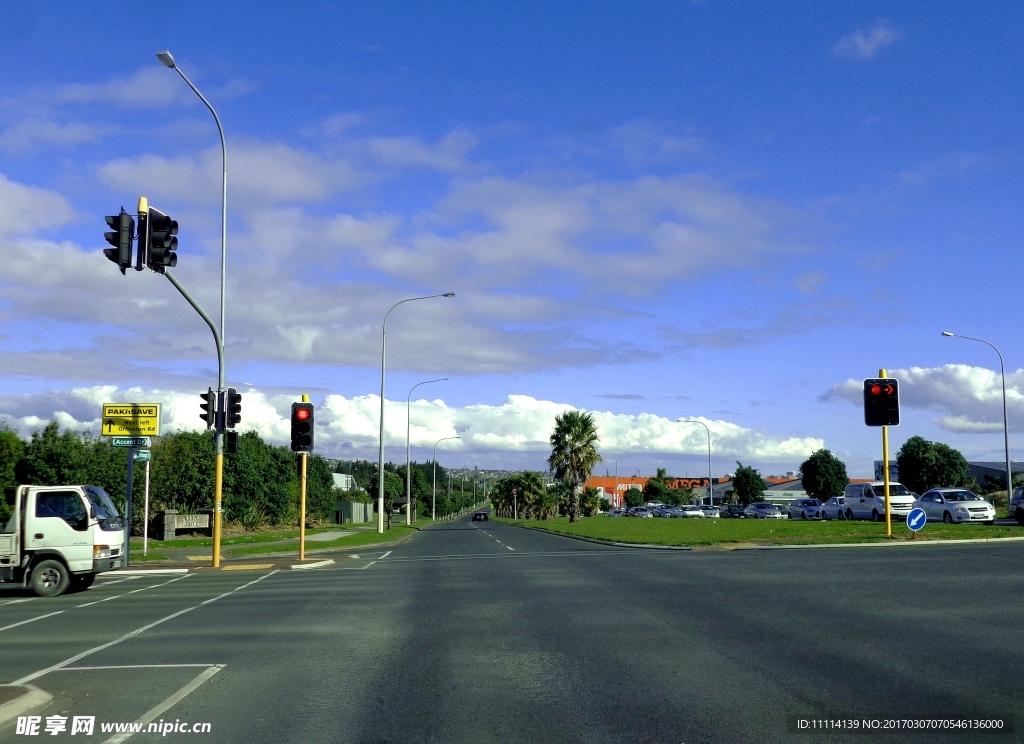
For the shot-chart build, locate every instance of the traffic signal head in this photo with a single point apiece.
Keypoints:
(302, 427)
(233, 409)
(121, 237)
(161, 242)
(209, 406)
(882, 402)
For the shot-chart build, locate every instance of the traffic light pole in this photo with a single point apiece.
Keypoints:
(885, 469)
(218, 437)
(303, 462)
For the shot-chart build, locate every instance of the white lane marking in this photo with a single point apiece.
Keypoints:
(17, 601)
(384, 556)
(149, 571)
(152, 714)
(318, 564)
(133, 591)
(131, 666)
(111, 583)
(31, 620)
(125, 637)
(510, 548)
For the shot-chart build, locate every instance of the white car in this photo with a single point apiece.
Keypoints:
(834, 509)
(710, 511)
(689, 512)
(955, 506)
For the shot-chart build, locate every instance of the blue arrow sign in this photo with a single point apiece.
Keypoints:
(916, 519)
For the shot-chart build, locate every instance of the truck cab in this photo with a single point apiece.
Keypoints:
(59, 538)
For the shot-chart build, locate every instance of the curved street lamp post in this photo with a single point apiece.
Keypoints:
(433, 502)
(383, 360)
(711, 482)
(1006, 427)
(408, 465)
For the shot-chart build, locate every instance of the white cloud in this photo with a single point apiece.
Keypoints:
(32, 132)
(863, 46)
(521, 424)
(971, 397)
(25, 210)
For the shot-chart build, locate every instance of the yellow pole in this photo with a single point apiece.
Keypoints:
(218, 491)
(885, 469)
(302, 497)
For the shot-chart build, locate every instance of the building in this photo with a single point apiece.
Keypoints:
(345, 482)
(612, 488)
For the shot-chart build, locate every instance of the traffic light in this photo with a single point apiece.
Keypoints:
(123, 227)
(302, 427)
(160, 241)
(882, 402)
(230, 442)
(209, 406)
(232, 408)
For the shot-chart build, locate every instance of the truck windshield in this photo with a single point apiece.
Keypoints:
(105, 508)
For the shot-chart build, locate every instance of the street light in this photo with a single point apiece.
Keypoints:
(383, 359)
(615, 501)
(711, 492)
(408, 466)
(433, 501)
(167, 60)
(1006, 426)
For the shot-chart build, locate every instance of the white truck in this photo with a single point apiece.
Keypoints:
(59, 538)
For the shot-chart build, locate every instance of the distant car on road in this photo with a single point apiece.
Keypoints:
(480, 516)
(762, 510)
(731, 510)
(955, 506)
(833, 508)
(806, 509)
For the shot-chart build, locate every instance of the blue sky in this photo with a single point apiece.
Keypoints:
(664, 210)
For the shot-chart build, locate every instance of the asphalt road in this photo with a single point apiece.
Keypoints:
(492, 633)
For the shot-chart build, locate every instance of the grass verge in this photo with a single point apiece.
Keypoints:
(697, 532)
(370, 537)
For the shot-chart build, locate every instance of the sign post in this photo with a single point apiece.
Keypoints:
(915, 521)
(303, 462)
(882, 408)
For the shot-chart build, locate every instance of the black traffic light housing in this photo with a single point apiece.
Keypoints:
(882, 402)
(123, 227)
(232, 408)
(209, 406)
(230, 442)
(157, 241)
(302, 427)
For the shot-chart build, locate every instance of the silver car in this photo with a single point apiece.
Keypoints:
(955, 506)
(806, 509)
(710, 511)
(833, 508)
(762, 510)
(690, 512)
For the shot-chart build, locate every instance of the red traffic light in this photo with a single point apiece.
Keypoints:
(876, 389)
(302, 414)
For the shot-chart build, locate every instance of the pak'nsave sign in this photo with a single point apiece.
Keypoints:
(130, 420)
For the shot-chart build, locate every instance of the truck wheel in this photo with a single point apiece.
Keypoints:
(50, 579)
(81, 583)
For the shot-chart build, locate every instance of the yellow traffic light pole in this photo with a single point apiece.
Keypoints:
(885, 468)
(303, 459)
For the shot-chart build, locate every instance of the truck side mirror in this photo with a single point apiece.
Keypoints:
(92, 511)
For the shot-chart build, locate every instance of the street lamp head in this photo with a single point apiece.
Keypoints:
(165, 59)
(948, 333)
(448, 294)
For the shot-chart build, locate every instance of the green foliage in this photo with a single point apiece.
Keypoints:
(748, 484)
(823, 475)
(633, 497)
(590, 502)
(12, 448)
(574, 453)
(656, 490)
(523, 494)
(923, 465)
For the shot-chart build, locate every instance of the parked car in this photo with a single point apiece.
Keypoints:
(833, 508)
(867, 501)
(480, 516)
(806, 509)
(710, 511)
(761, 510)
(690, 512)
(616, 512)
(955, 505)
(731, 511)
(639, 511)
(1017, 504)
(662, 511)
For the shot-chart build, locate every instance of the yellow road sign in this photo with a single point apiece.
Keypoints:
(131, 419)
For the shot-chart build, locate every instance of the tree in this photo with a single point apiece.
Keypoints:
(11, 450)
(633, 497)
(590, 502)
(748, 484)
(522, 494)
(823, 475)
(923, 465)
(394, 487)
(574, 453)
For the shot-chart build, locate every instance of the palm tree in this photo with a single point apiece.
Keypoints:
(574, 453)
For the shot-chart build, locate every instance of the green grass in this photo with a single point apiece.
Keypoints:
(696, 532)
(140, 558)
(369, 537)
(253, 537)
